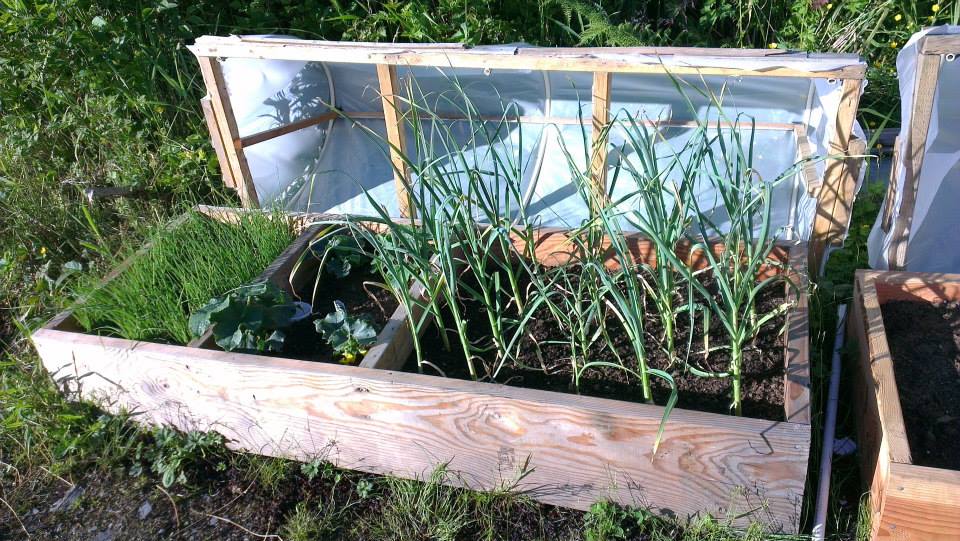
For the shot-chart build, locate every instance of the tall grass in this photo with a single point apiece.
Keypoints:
(180, 272)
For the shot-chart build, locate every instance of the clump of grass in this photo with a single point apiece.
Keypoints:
(184, 267)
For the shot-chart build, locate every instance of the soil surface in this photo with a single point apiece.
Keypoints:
(544, 362)
(233, 505)
(924, 341)
(361, 299)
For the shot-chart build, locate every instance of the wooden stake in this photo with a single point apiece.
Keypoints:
(229, 134)
(601, 118)
(928, 73)
(389, 90)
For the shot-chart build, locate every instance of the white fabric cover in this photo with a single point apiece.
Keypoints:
(327, 168)
(932, 240)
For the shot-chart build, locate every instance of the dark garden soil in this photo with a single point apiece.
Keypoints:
(544, 364)
(370, 302)
(924, 341)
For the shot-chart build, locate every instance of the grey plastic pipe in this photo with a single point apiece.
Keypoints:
(829, 431)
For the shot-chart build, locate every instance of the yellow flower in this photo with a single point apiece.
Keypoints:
(935, 8)
(879, 145)
(893, 44)
(897, 17)
(43, 251)
(773, 45)
(829, 6)
(347, 358)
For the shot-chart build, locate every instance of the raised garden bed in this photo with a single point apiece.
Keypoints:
(906, 326)
(560, 448)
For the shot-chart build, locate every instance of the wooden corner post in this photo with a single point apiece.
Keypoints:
(837, 192)
(396, 137)
(226, 123)
(601, 119)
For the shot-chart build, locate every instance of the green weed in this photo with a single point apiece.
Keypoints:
(183, 269)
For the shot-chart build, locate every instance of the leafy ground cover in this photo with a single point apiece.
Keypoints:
(103, 93)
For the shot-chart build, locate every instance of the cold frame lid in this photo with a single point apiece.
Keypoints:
(312, 125)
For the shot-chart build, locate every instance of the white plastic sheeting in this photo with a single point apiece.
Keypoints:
(932, 238)
(339, 166)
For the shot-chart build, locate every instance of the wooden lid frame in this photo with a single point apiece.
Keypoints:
(835, 190)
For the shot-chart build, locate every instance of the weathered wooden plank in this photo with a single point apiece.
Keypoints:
(940, 44)
(393, 118)
(881, 368)
(837, 192)
(273, 133)
(213, 128)
(921, 504)
(924, 94)
(796, 396)
(640, 61)
(577, 449)
(552, 120)
(227, 124)
(601, 118)
(891, 196)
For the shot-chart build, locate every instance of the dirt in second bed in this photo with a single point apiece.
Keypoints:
(543, 365)
(372, 302)
(924, 341)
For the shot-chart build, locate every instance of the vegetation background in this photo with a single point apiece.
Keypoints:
(104, 93)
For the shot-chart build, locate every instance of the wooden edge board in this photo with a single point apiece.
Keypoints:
(505, 58)
(216, 141)
(602, 81)
(835, 199)
(396, 135)
(797, 357)
(920, 503)
(937, 44)
(579, 449)
(226, 122)
(914, 151)
(284, 129)
(891, 195)
(881, 368)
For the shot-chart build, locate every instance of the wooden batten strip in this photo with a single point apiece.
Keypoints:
(273, 133)
(509, 58)
(601, 121)
(213, 127)
(226, 123)
(940, 44)
(805, 152)
(522, 119)
(396, 136)
(924, 93)
(839, 181)
(891, 197)
(797, 355)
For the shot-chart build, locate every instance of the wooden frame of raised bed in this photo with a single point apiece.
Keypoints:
(907, 501)
(572, 450)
